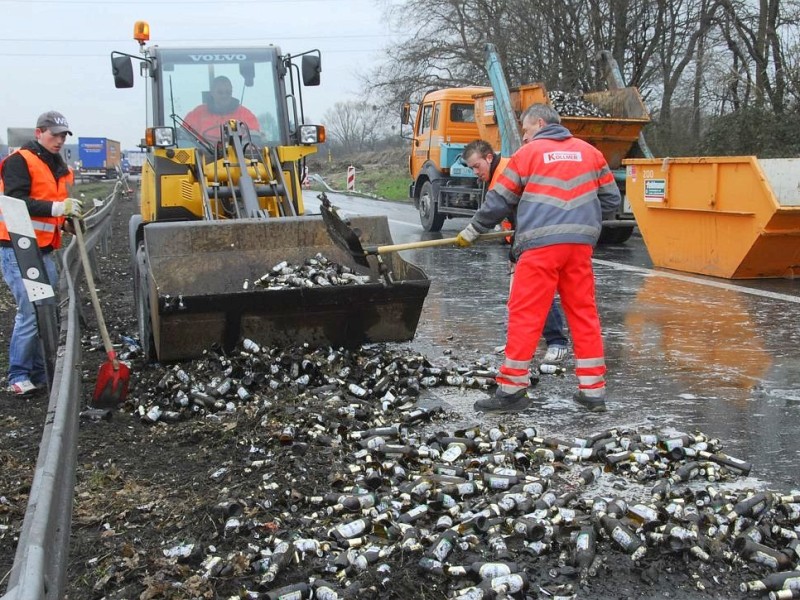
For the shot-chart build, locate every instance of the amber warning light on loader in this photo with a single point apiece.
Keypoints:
(141, 32)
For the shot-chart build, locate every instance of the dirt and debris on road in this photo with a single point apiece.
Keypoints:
(238, 475)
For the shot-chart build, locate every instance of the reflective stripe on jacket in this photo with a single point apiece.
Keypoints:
(44, 188)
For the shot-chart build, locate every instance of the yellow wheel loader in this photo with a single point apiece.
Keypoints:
(222, 204)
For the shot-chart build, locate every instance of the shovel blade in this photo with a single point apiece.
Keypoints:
(341, 233)
(112, 385)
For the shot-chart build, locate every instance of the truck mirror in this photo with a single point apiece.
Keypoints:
(311, 67)
(405, 113)
(122, 69)
(247, 70)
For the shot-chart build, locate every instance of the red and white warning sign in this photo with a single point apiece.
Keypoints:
(351, 178)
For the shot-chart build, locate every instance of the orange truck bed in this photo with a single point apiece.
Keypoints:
(614, 136)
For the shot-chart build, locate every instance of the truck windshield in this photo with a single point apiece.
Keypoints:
(205, 88)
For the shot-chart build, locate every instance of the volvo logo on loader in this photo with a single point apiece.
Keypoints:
(217, 57)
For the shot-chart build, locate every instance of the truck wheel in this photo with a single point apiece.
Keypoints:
(143, 306)
(429, 215)
(615, 235)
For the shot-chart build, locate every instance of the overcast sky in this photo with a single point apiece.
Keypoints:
(54, 54)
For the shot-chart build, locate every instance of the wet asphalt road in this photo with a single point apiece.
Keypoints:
(684, 352)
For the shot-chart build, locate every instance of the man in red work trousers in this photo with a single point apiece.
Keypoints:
(560, 187)
(487, 166)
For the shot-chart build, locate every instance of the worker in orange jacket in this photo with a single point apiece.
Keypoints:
(38, 175)
(222, 107)
(487, 166)
(561, 187)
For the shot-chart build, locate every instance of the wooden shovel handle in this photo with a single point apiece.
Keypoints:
(431, 243)
(87, 269)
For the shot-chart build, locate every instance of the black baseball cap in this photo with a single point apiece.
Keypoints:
(54, 121)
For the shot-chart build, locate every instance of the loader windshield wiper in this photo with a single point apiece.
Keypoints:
(207, 146)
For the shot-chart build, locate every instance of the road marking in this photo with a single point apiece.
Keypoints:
(414, 226)
(690, 279)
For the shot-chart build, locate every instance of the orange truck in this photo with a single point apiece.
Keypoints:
(443, 187)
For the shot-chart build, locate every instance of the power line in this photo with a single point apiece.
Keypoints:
(238, 41)
(106, 4)
(105, 55)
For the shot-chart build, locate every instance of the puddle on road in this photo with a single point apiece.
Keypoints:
(679, 353)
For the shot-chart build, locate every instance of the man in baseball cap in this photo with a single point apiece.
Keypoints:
(37, 175)
(53, 121)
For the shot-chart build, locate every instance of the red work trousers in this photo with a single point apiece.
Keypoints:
(539, 273)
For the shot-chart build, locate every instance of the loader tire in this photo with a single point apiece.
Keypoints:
(429, 215)
(143, 306)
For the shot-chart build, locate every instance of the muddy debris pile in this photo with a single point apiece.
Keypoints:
(318, 271)
(479, 512)
(574, 105)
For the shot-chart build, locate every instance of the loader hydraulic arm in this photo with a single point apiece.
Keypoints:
(510, 137)
(247, 187)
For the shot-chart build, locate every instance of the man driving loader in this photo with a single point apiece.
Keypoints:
(221, 107)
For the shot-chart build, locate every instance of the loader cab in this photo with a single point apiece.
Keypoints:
(184, 81)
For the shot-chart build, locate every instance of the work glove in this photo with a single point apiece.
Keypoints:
(468, 235)
(69, 226)
(71, 207)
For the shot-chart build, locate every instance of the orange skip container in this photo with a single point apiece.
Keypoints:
(736, 217)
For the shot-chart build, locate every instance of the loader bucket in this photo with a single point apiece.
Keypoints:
(197, 270)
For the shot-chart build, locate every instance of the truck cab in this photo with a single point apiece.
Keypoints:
(441, 184)
(184, 79)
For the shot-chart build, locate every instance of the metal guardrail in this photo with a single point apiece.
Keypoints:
(40, 562)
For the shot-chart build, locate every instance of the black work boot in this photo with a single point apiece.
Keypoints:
(593, 403)
(504, 402)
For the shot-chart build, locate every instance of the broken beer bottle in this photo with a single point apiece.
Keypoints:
(623, 537)
(776, 581)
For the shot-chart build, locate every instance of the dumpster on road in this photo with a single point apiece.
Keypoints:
(736, 217)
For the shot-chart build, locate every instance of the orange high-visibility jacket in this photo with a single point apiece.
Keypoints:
(44, 188)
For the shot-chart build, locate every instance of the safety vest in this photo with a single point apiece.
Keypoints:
(44, 188)
(505, 225)
(501, 166)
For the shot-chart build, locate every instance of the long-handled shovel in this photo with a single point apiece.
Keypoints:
(113, 377)
(347, 239)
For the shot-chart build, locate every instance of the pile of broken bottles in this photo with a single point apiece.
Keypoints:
(483, 512)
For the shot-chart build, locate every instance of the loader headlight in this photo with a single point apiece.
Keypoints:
(312, 134)
(160, 137)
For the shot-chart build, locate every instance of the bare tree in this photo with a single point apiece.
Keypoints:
(683, 27)
(754, 33)
(355, 126)
(695, 59)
